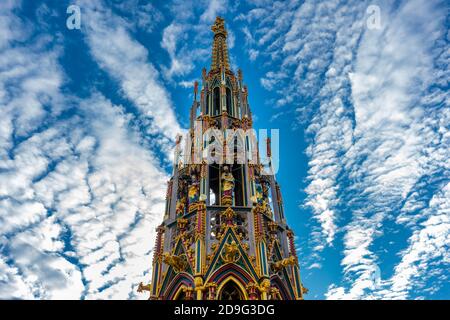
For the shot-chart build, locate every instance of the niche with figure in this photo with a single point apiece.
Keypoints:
(221, 189)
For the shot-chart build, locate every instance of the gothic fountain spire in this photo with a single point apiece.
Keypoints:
(219, 48)
(224, 233)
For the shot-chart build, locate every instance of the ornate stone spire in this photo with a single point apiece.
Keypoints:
(224, 234)
(219, 49)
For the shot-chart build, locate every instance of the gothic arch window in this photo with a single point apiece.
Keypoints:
(180, 296)
(214, 185)
(229, 102)
(283, 293)
(231, 291)
(207, 103)
(228, 83)
(216, 101)
(239, 193)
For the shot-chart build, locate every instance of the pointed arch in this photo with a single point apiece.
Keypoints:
(278, 283)
(229, 83)
(207, 111)
(247, 271)
(229, 102)
(174, 287)
(178, 294)
(237, 283)
(231, 270)
(215, 82)
(216, 101)
(285, 283)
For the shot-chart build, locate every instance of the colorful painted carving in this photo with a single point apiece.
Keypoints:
(290, 261)
(206, 251)
(227, 187)
(180, 207)
(230, 252)
(259, 193)
(178, 263)
(193, 193)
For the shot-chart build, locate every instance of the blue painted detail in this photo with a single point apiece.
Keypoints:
(198, 266)
(155, 278)
(250, 268)
(263, 257)
(297, 281)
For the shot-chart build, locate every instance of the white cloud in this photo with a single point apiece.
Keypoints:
(302, 38)
(273, 79)
(375, 124)
(180, 64)
(127, 61)
(214, 8)
(230, 38)
(187, 39)
(30, 79)
(427, 245)
(253, 54)
(139, 16)
(387, 159)
(80, 195)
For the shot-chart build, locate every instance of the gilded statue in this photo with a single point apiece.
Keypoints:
(230, 252)
(178, 263)
(291, 261)
(259, 193)
(227, 187)
(142, 287)
(181, 204)
(193, 193)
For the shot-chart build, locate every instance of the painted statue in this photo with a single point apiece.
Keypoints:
(227, 187)
(193, 193)
(259, 193)
(180, 207)
(181, 204)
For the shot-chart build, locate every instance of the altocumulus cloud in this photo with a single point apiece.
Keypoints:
(82, 177)
(80, 195)
(375, 107)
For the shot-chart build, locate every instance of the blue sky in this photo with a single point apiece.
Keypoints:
(89, 116)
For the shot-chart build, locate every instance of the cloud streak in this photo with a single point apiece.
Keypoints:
(80, 193)
(376, 120)
(82, 182)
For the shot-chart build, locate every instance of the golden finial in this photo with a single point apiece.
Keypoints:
(219, 26)
(219, 48)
